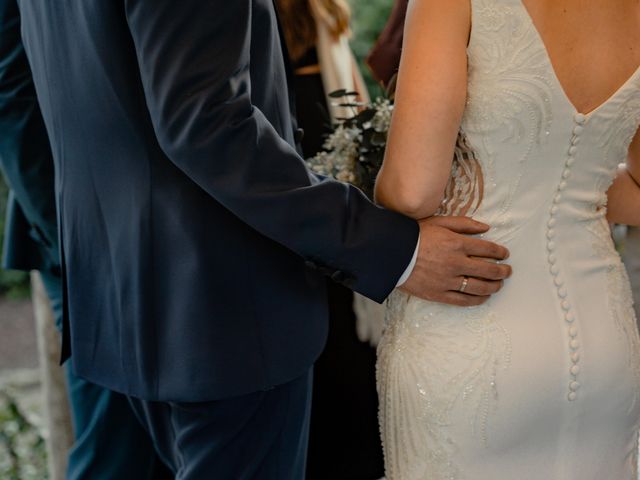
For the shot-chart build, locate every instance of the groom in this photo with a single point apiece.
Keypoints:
(195, 241)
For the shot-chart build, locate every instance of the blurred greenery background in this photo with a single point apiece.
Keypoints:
(369, 17)
(12, 284)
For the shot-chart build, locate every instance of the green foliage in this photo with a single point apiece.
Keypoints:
(22, 448)
(369, 18)
(12, 284)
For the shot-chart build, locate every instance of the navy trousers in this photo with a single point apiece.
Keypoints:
(109, 443)
(261, 436)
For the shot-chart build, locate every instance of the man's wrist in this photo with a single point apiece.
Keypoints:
(412, 264)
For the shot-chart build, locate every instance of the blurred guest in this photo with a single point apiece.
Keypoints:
(384, 58)
(344, 442)
(317, 36)
(109, 441)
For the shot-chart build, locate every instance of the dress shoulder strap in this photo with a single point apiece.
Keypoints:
(490, 16)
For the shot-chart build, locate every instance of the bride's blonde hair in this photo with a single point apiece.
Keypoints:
(299, 22)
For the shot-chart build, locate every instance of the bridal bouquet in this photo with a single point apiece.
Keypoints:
(354, 151)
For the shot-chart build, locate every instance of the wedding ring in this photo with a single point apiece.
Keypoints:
(465, 282)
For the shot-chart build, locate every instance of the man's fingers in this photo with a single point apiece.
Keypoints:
(452, 255)
(475, 247)
(478, 287)
(483, 269)
(462, 225)
(462, 299)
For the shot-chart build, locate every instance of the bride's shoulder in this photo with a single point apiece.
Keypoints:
(444, 7)
(456, 12)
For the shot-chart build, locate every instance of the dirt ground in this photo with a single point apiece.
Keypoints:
(18, 347)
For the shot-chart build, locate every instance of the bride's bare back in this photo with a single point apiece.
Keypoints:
(594, 45)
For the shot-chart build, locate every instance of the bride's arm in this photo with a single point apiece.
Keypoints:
(430, 101)
(624, 194)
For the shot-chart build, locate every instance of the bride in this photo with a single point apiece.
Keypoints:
(538, 104)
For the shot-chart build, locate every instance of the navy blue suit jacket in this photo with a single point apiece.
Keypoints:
(31, 237)
(194, 240)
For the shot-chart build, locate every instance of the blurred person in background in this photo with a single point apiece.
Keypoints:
(384, 58)
(344, 441)
(109, 443)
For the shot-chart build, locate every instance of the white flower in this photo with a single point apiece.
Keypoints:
(342, 148)
(382, 119)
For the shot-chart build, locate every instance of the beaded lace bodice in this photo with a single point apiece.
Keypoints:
(536, 170)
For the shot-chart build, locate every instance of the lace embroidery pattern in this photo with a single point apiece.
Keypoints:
(465, 189)
(509, 94)
(433, 358)
(617, 138)
(615, 142)
(509, 89)
(619, 294)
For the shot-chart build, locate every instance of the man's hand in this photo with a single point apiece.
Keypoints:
(448, 254)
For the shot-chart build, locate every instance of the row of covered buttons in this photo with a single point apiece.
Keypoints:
(569, 316)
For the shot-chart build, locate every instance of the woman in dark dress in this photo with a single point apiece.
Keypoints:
(344, 442)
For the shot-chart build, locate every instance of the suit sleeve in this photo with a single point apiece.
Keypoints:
(194, 60)
(25, 154)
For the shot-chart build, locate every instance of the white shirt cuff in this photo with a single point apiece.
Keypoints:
(407, 273)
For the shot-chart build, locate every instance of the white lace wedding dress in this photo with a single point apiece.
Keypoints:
(542, 382)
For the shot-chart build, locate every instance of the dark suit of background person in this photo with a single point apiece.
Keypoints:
(109, 444)
(344, 440)
(194, 239)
